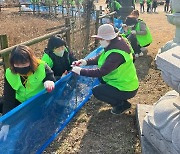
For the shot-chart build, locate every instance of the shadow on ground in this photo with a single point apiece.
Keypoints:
(105, 133)
(143, 64)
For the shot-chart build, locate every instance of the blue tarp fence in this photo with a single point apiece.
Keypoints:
(35, 123)
(117, 22)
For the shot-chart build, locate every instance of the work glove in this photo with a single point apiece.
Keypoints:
(76, 70)
(80, 62)
(123, 25)
(49, 85)
(133, 32)
(4, 132)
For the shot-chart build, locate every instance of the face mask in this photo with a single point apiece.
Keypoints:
(104, 43)
(22, 70)
(59, 53)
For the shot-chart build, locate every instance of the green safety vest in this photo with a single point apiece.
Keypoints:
(33, 85)
(72, 2)
(47, 59)
(149, 1)
(59, 2)
(117, 5)
(143, 40)
(124, 77)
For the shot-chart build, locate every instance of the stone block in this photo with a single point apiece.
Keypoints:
(152, 142)
(141, 111)
(169, 64)
(156, 139)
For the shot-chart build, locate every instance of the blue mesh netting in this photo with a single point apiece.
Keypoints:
(59, 9)
(35, 123)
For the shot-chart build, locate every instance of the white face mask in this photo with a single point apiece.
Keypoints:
(104, 43)
(59, 53)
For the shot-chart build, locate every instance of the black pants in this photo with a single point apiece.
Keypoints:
(148, 7)
(134, 43)
(1, 105)
(112, 95)
(142, 7)
(6, 106)
(166, 7)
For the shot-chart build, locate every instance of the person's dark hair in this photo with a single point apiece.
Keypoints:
(55, 42)
(131, 21)
(21, 55)
(135, 13)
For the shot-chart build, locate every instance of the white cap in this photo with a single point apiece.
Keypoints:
(106, 32)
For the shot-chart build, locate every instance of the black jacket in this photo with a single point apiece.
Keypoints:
(60, 64)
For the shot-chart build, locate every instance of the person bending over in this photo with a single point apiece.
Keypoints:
(116, 70)
(26, 76)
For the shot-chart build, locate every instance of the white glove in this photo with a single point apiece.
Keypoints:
(76, 70)
(133, 32)
(123, 25)
(80, 62)
(49, 85)
(4, 132)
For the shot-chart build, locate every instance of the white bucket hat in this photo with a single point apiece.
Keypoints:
(106, 32)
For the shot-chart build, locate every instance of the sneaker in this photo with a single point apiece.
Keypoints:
(136, 55)
(121, 109)
(143, 49)
(141, 54)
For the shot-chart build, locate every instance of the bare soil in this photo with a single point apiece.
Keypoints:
(94, 129)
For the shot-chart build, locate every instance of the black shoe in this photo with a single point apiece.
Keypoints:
(121, 109)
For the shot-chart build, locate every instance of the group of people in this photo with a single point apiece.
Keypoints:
(152, 5)
(28, 75)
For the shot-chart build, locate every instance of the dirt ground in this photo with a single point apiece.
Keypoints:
(94, 129)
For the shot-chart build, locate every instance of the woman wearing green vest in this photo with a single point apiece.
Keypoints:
(141, 2)
(26, 76)
(116, 70)
(138, 33)
(58, 57)
(149, 5)
(114, 5)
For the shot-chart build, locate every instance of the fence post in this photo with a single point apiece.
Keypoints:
(20, 8)
(67, 35)
(38, 6)
(49, 5)
(55, 9)
(4, 44)
(100, 12)
(97, 26)
(112, 10)
(34, 9)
